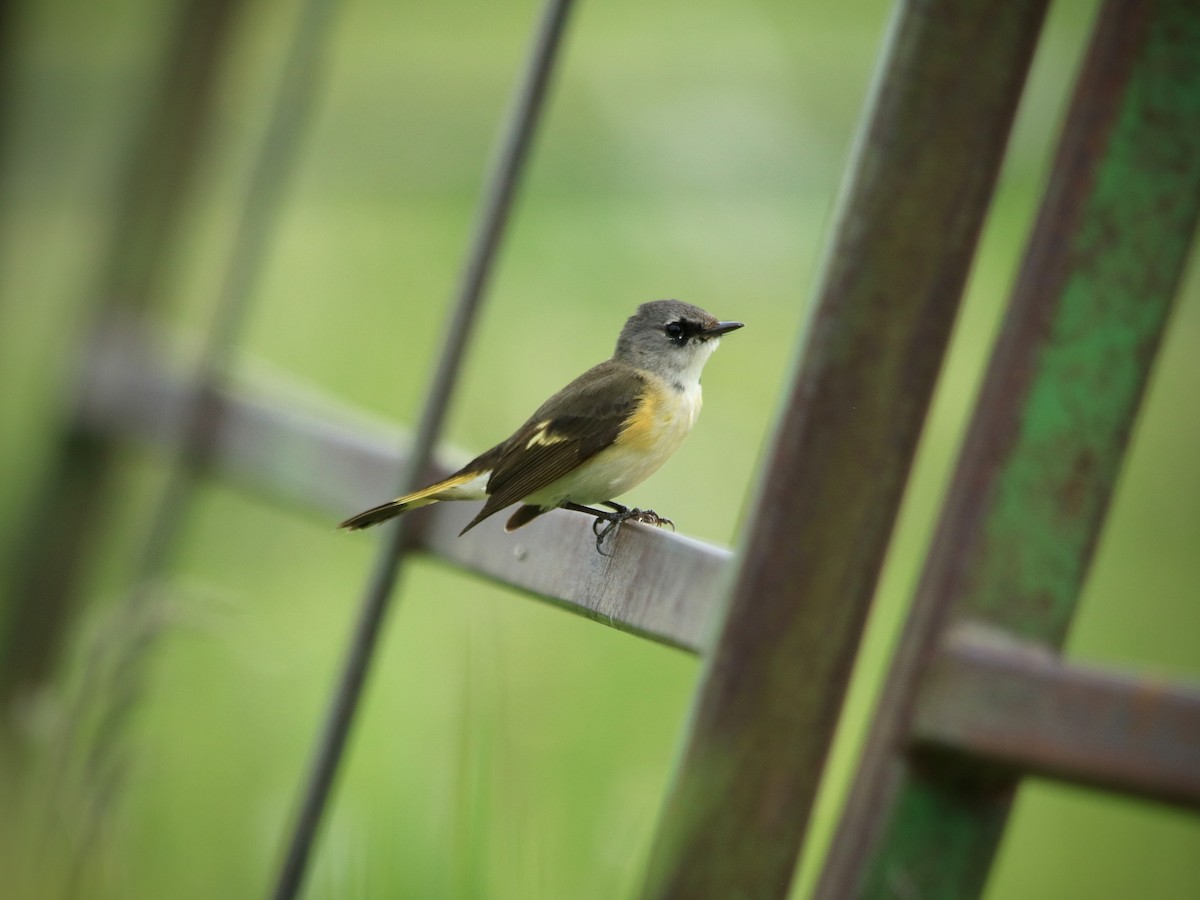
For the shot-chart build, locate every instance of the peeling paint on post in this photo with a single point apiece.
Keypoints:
(1114, 278)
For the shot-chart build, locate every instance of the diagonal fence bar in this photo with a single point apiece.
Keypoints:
(1044, 449)
(926, 165)
(489, 230)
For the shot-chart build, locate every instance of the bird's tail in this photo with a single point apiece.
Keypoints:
(456, 487)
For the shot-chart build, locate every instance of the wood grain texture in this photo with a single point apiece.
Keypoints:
(311, 453)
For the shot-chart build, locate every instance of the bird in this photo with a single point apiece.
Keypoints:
(598, 437)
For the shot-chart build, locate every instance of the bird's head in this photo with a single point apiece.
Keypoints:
(671, 339)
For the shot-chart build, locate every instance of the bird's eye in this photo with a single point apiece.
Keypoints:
(674, 331)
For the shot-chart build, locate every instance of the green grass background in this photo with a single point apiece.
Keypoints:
(506, 749)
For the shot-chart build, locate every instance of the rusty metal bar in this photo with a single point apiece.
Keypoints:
(1020, 707)
(513, 152)
(319, 456)
(149, 209)
(1044, 449)
(926, 165)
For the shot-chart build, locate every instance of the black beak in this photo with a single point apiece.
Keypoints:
(721, 328)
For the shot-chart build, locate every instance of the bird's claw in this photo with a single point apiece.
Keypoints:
(650, 517)
(606, 527)
(610, 523)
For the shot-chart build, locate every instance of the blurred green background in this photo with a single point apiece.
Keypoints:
(507, 750)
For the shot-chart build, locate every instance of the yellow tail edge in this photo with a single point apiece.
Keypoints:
(424, 497)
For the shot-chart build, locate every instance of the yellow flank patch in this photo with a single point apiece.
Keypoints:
(543, 438)
(644, 429)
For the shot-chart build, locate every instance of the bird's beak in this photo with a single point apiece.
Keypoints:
(721, 328)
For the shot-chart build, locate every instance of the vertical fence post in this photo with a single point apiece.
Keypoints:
(764, 717)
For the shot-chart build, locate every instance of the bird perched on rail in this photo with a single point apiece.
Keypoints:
(600, 436)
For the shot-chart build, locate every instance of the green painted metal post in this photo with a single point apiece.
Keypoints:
(1045, 447)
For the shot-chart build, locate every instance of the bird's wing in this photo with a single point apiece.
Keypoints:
(571, 427)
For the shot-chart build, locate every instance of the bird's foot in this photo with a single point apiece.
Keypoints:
(608, 524)
(650, 517)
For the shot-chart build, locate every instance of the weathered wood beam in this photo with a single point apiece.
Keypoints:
(313, 454)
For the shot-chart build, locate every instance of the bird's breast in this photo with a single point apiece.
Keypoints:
(662, 420)
(648, 439)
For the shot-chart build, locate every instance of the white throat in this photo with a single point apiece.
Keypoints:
(685, 373)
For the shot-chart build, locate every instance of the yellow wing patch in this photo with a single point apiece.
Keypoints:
(543, 437)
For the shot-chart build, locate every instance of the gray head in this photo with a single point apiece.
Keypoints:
(671, 339)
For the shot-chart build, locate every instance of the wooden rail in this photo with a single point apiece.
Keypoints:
(315, 455)
(1012, 702)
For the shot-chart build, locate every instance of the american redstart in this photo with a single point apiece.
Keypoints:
(604, 433)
